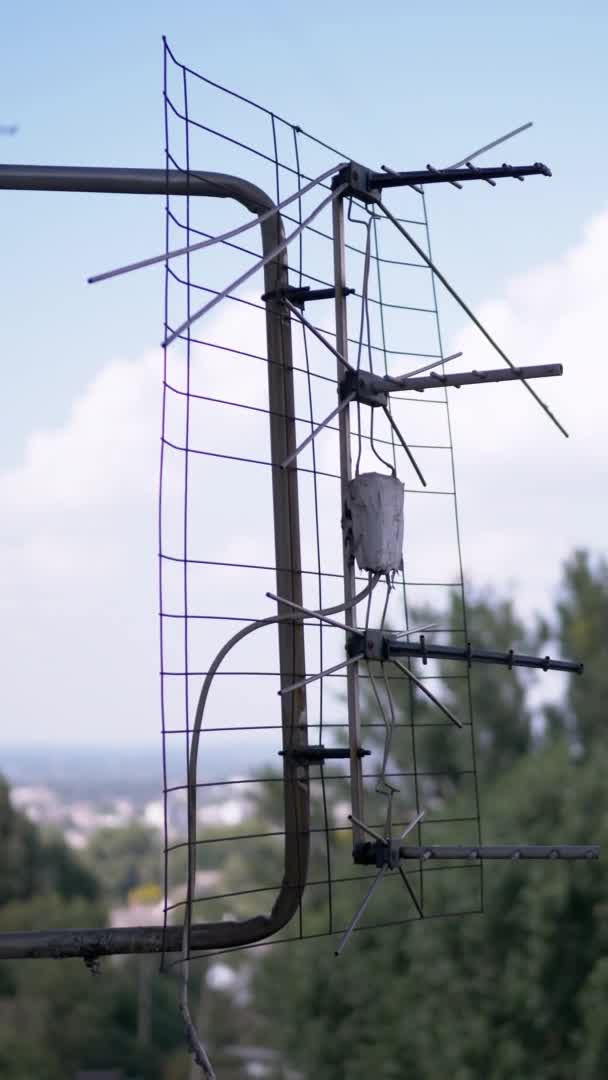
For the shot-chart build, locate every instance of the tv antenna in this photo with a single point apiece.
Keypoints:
(314, 460)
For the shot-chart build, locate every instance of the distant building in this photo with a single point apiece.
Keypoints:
(41, 804)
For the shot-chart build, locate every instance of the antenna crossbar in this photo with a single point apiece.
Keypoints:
(451, 176)
(378, 854)
(375, 645)
(365, 184)
(373, 390)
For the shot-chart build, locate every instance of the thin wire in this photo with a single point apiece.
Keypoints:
(459, 913)
(490, 146)
(192, 841)
(364, 289)
(276, 674)
(369, 605)
(276, 251)
(389, 589)
(198, 1049)
(417, 682)
(463, 820)
(465, 307)
(300, 419)
(346, 879)
(300, 468)
(365, 324)
(249, 101)
(365, 307)
(313, 329)
(325, 573)
(318, 553)
(404, 584)
(161, 477)
(388, 744)
(359, 251)
(187, 446)
(322, 330)
(221, 238)
(382, 787)
(238, 781)
(302, 870)
(471, 723)
(372, 348)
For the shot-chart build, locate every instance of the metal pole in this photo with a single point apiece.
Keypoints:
(90, 943)
(350, 617)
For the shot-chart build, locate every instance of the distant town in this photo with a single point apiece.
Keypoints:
(79, 791)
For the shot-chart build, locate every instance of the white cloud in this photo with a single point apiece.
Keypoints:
(77, 641)
(527, 495)
(79, 536)
(65, 502)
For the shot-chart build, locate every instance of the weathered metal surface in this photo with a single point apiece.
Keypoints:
(92, 943)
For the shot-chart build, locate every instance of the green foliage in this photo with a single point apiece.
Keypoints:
(506, 995)
(32, 863)
(55, 1017)
(520, 991)
(124, 858)
(499, 697)
(580, 629)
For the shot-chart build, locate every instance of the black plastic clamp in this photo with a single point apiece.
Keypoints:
(373, 645)
(358, 180)
(301, 295)
(365, 387)
(368, 853)
(318, 755)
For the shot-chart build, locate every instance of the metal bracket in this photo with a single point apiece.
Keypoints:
(360, 182)
(92, 963)
(301, 295)
(318, 755)
(372, 645)
(376, 854)
(365, 387)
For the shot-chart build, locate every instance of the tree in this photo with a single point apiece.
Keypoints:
(521, 990)
(32, 863)
(579, 628)
(124, 857)
(55, 1018)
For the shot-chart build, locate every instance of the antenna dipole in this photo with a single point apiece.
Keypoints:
(491, 145)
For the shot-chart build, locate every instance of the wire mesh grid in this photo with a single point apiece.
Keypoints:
(216, 539)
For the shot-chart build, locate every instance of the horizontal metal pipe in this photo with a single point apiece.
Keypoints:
(133, 182)
(91, 943)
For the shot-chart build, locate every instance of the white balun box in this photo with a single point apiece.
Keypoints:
(375, 503)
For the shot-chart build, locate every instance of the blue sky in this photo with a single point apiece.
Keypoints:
(402, 87)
